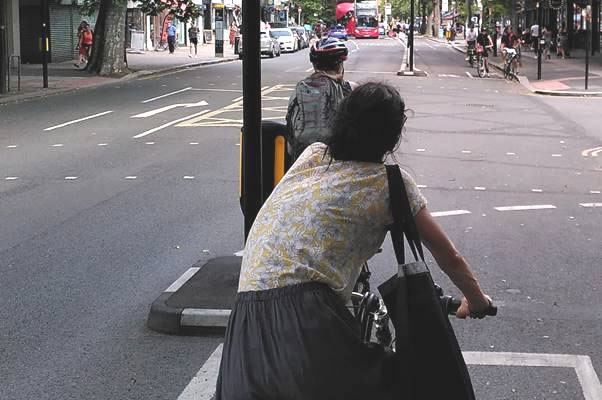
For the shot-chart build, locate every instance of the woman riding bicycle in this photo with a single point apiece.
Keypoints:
(290, 335)
(484, 40)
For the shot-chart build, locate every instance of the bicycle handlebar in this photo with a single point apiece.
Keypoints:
(451, 305)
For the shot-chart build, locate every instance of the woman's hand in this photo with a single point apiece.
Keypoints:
(467, 309)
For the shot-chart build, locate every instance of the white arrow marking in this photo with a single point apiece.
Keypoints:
(167, 108)
(592, 152)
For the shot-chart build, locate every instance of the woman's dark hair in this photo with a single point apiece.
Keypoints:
(368, 124)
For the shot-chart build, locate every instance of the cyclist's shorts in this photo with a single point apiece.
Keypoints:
(299, 342)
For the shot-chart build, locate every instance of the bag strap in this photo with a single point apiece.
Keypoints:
(403, 220)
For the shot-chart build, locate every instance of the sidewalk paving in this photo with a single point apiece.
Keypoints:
(64, 76)
(561, 77)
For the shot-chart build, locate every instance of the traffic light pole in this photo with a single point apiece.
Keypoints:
(251, 131)
(539, 37)
(45, 40)
(411, 36)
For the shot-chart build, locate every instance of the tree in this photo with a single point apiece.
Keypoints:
(108, 56)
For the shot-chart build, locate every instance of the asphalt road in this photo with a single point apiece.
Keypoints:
(99, 216)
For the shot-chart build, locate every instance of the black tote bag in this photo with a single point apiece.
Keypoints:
(430, 362)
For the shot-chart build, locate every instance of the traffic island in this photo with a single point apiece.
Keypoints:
(200, 300)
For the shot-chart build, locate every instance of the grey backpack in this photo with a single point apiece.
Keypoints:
(311, 110)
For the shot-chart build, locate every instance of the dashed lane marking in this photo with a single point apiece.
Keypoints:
(521, 208)
(11, 178)
(188, 177)
(75, 121)
(12, 146)
(166, 94)
(449, 213)
(537, 190)
(149, 143)
(479, 188)
(102, 144)
(148, 132)
(466, 151)
(590, 204)
(131, 177)
(594, 191)
(58, 145)
(70, 178)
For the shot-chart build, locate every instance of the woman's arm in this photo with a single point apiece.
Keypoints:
(452, 263)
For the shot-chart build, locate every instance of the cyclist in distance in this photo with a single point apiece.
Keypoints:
(290, 334)
(484, 39)
(315, 100)
(471, 39)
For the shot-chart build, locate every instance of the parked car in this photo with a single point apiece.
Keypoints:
(303, 37)
(287, 39)
(269, 44)
(338, 31)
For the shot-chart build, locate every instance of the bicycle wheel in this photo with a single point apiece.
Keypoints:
(481, 67)
(506, 70)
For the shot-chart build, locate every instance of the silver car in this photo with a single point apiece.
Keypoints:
(269, 44)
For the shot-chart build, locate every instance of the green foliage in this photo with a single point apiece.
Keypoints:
(183, 10)
(311, 10)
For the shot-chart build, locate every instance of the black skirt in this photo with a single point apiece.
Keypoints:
(299, 342)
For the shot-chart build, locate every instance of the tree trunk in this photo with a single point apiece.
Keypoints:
(429, 25)
(436, 17)
(109, 39)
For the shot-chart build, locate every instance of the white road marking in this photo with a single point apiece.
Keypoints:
(590, 204)
(102, 144)
(131, 177)
(536, 190)
(510, 154)
(219, 90)
(556, 155)
(149, 143)
(479, 188)
(469, 75)
(521, 208)
(202, 385)
(169, 124)
(590, 384)
(12, 146)
(167, 108)
(592, 152)
(193, 143)
(594, 191)
(421, 150)
(77, 120)
(182, 279)
(466, 151)
(239, 253)
(237, 99)
(421, 186)
(167, 94)
(372, 72)
(188, 177)
(70, 178)
(449, 213)
(57, 145)
(11, 178)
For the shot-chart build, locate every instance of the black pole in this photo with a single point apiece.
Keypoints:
(469, 4)
(251, 86)
(539, 13)
(411, 36)
(3, 50)
(45, 42)
(587, 50)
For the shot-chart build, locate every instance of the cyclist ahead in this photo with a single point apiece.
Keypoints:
(484, 40)
(471, 40)
(290, 335)
(316, 98)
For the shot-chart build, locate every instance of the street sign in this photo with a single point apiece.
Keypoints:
(388, 9)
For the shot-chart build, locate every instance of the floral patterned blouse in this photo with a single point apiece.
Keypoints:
(321, 222)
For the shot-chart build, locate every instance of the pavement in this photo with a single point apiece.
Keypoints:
(65, 76)
(560, 77)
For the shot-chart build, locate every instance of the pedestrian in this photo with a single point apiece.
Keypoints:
(233, 33)
(290, 335)
(172, 37)
(193, 37)
(84, 43)
(547, 36)
(563, 41)
(315, 100)
(535, 36)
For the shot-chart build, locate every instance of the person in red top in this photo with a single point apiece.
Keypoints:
(84, 44)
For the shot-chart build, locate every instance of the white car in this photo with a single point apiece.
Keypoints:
(287, 39)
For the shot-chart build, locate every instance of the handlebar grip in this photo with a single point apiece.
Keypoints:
(452, 304)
